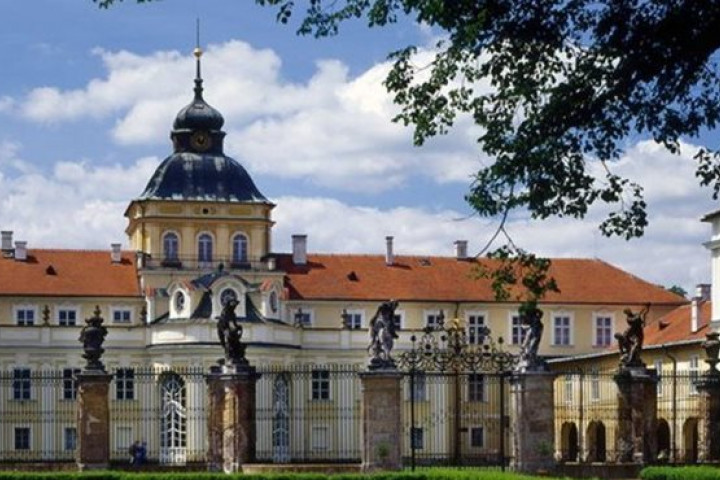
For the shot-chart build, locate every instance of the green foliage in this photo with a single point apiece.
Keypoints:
(677, 290)
(555, 86)
(680, 473)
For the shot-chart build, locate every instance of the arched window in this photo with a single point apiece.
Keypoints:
(173, 424)
(205, 247)
(170, 246)
(240, 247)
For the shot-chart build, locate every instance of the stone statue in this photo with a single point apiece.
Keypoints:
(229, 333)
(382, 336)
(92, 337)
(631, 340)
(532, 326)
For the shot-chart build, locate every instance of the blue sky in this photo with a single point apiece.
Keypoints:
(88, 96)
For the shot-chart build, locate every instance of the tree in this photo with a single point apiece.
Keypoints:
(678, 290)
(570, 81)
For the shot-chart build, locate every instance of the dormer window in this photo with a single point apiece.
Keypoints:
(179, 302)
(227, 295)
(205, 249)
(240, 250)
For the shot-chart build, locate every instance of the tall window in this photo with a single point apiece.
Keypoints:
(561, 330)
(25, 316)
(70, 438)
(21, 384)
(22, 438)
(353, 319)
(476, 387)
(659, 369)
(419, 387)
(67, 317)
(240, 247)
(205, 248)
(170, 246)
(69, 383)
(398, 321)
(517, 333)
(594, 385)
(417, 438)
(475, 328)
(603, 331)
(319, 437)
(125, 384)
(694, 367)
(568, 388)
(477, 437)
(320, 385)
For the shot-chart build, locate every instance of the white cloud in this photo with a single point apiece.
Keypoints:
(331, 130)
(6, 104)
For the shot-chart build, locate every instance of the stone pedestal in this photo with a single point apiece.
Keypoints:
(231, 418)
(93, 420)
(381, 420)
(709, 390)
(636, 438)
(533, 421)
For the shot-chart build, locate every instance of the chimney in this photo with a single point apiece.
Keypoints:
(461, 249)
(389, 255)
(115, 253)
(702, 294)
(702, 291)
(20, 251)
(7, 241)
(271, 263)
(299, 249)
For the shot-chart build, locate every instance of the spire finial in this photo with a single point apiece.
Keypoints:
(198, 53)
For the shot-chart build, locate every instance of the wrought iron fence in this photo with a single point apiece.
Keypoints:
(455, 419)
(678, 416)
(308, 413)
(37, 415)
(164, 408)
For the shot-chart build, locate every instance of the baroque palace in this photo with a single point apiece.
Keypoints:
(200, 234)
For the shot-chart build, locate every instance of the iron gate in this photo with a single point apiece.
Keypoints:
(456, 398)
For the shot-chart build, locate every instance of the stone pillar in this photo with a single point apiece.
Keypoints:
(93, 420)
(532, 416)
(636, 437)
(231, 419)
(709, 390)
(381, 415)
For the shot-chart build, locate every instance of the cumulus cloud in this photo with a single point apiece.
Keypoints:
(332, 129)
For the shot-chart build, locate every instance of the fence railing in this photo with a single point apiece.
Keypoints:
(308, 414)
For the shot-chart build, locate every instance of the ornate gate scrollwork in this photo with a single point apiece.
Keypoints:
(448, 350)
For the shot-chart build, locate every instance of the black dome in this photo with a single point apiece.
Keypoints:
(198, 115)
(192, 176)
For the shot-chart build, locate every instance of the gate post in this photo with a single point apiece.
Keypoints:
(231, 419)
(709, 390)
(636, 439)
(93, 420)
(381, 415)
(533, 420)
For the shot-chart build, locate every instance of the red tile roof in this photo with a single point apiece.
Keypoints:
(676, 325)
(366, 277)
(76, 273)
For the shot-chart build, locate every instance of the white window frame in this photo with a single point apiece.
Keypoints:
(419, 390)
(29, 438)
(568, 389)
(471, 436)
(596, 317)
(417, 438)
(318, 433)
(125, 388)
(205, 262)
(66, 437)
(570, 328)
(308, 313)
(123, 434)
(434, 315)
(356, 312)
(118, 309)
(318, 385)
(471, 330)
(241, 259)
(69, 389)
(473, 385)
(658, 364)
(594, 385)
(22, 385)
(512, 316)
(694, 373)
(25, 308)
(176, 256)
(67, 308)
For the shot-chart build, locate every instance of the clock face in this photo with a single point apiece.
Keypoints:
(200, 141)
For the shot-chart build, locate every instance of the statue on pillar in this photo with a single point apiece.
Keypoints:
(229, 333)
(530, 320)
(630, 342)
(92, 337)
(382, 335)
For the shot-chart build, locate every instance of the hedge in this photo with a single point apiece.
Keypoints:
(681, 473)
